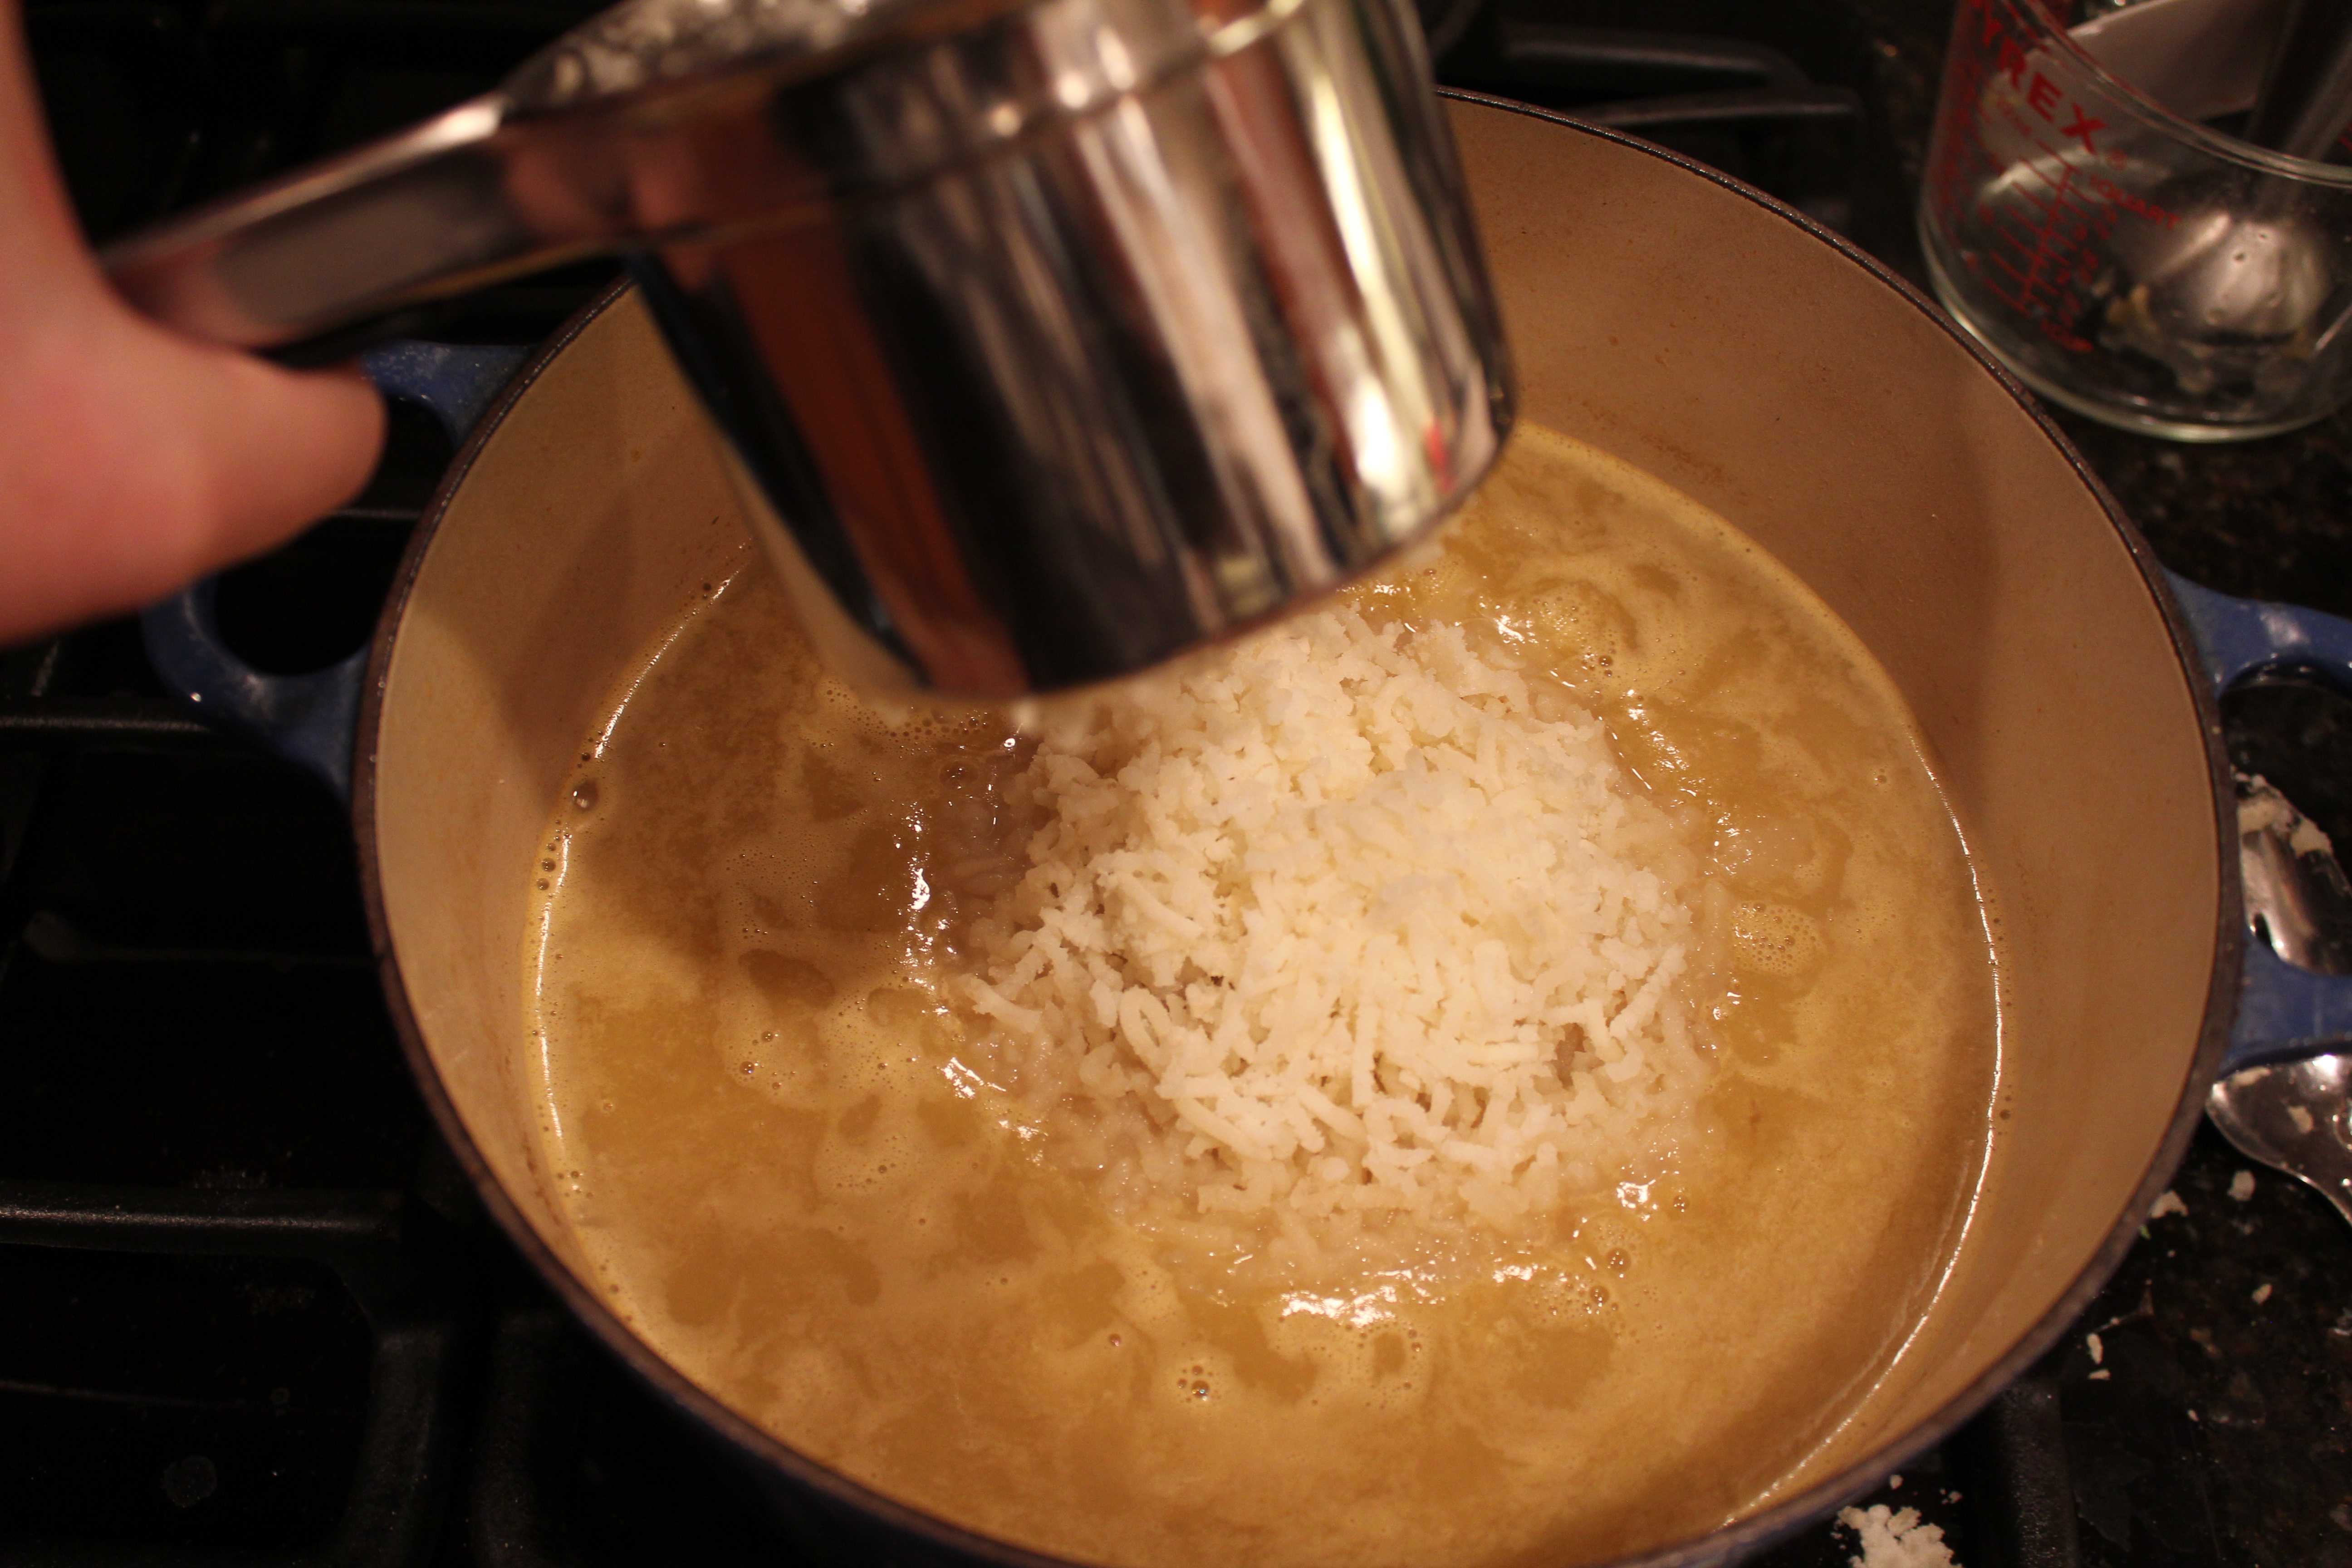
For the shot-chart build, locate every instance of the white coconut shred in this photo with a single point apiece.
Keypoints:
(1352, 923)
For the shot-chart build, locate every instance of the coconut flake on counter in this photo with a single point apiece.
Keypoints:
(1892, 1537)
(2169, 1203)
(1349, 921)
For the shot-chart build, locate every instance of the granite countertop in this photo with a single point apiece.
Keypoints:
(2213, 1424)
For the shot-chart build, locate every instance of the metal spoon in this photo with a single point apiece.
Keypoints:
(2240, 280)
(2297, 1116)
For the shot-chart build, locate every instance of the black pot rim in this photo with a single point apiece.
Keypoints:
(1730, 1541)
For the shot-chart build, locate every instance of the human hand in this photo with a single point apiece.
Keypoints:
(132, 458)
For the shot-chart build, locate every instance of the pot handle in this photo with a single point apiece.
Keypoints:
(312, 719)
(2285, 1011)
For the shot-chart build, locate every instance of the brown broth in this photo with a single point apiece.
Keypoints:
(799, 1184)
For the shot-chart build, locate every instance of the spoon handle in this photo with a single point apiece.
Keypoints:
(2321, 1162)
(2337, 1191)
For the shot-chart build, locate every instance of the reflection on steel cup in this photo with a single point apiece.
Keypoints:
(2062, 207)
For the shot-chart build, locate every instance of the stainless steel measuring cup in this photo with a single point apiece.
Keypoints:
(1050, 337)
(2123, 256)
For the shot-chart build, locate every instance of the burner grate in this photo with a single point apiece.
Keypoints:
(1722, 97)
(240, 1379)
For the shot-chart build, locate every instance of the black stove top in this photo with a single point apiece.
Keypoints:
(250, 1311)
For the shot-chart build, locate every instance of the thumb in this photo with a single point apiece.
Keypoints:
(133, 460)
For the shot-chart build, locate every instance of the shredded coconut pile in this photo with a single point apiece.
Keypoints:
(1892, 1537)
(1359, 922)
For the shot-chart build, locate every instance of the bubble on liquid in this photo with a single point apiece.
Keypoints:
(1363, 1352)
(1777, 940)
(870, 1150)
(1580, 620)
(583, 795)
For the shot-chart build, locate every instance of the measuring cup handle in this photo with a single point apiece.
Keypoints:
(2284, 1012)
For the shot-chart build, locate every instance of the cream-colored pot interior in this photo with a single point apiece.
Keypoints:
(1655, 312)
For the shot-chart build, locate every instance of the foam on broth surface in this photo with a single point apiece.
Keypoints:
(802, 1185)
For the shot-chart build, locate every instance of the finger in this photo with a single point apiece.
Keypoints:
(134, 459)
(272, 450)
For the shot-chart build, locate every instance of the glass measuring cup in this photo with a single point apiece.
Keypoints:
(2123, 258)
